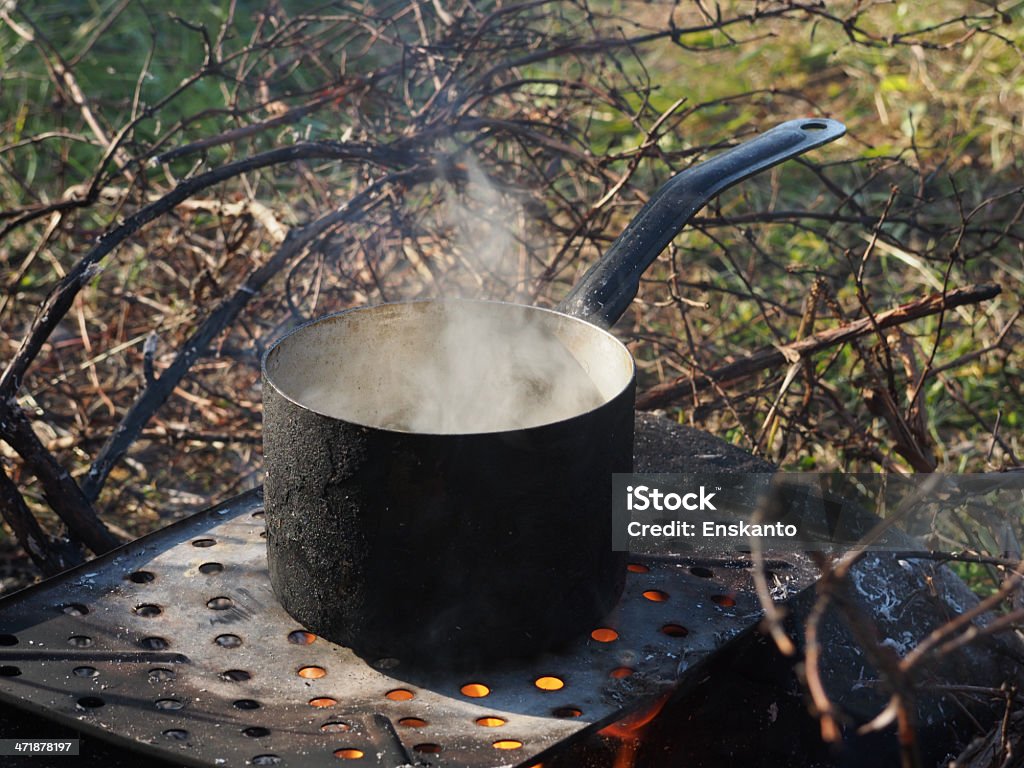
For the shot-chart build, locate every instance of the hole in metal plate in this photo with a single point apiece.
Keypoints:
(565, 712)
(604, 635)
(549, 683)
(160, 675)
(335, 726)
(349, 753)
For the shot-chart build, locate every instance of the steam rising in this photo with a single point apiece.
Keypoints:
(465, 368)
(452, 367)
(483, 222)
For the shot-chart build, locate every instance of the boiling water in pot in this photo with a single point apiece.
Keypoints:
(463, 368)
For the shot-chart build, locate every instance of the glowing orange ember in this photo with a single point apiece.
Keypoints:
(548, 683)
(604, 635)
(348, 754)
(490, 721)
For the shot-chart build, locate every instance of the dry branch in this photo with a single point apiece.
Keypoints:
(159, 389)
(60, 489)
(664, 394)
(290, 116)
(59, 301)
(49, 556)
(999, 748)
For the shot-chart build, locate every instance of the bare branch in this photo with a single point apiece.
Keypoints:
(59, 301)
(49, 555)
(158, 390)
(662, 394)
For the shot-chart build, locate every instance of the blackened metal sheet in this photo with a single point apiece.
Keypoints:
(175, 645)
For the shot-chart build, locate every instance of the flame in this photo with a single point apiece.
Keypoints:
(629, 731)
(626, 755)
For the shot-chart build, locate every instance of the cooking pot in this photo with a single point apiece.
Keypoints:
(438, 473)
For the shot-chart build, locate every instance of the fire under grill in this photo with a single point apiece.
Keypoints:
(174, 645)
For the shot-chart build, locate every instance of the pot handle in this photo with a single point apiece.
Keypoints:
(610, 285)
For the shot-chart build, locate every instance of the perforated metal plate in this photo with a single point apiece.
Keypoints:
(175, 645)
